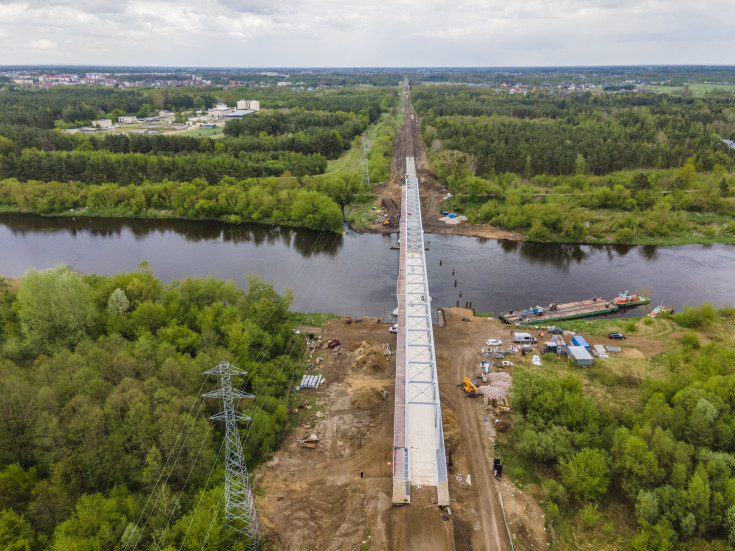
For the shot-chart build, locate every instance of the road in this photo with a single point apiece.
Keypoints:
(493, 528)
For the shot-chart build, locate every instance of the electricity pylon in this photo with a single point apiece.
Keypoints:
(365, 180)
(240, 515)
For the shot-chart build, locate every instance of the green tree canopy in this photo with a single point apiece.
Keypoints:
(55, 308)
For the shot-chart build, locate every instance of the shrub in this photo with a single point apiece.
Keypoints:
(585, 475)
(693, 318)
(553, 510)
(690, 340)
(625, 235)
(589, 515)
(551, 490)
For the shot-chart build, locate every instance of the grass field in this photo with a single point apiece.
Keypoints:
(695, 89)
(209, 132)
(349, 161)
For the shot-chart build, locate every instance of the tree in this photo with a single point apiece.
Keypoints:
(97, 523)
(647, 507)
(653, 538)
(6, 146)
(585, 475)
(640, 182)
(580, 164)
(118, 302)
(55, 308)
(16, 485)
(699, 496)
(730, 524)
(635, 465)
(16, 533)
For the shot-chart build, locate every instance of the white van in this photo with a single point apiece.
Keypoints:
(525, 338)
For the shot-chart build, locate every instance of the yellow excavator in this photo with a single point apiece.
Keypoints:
(470, 390)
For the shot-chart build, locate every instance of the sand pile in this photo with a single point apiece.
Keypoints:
(370, 357)
(367, 395)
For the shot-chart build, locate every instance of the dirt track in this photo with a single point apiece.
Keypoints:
(408, 143)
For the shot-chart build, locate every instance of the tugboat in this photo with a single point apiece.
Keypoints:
(660, 308)
(630, 299)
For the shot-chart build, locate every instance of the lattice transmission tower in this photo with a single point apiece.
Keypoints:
(365, 180)
(240, 515)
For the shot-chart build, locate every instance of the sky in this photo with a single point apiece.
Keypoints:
(367, 33)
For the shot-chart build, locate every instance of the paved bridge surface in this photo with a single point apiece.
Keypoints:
(419, 457)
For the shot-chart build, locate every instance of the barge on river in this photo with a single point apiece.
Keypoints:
(594, 306)
(559, 312)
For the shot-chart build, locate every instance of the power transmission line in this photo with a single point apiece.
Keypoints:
(365, 179)
(240, 515)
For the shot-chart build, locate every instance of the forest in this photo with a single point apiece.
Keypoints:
(654, 441)
(104, 442)
(579, 167)
(263, 170)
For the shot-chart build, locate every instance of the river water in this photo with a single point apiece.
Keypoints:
(356, 274)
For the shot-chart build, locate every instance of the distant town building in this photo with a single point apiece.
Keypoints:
(219, 111)
(127, 119)
(102, 123)
(194, 120)
(244, 104)
(24, 80)
(96, 76)
(239, 113)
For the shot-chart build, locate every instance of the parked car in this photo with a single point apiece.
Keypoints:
(615, 335)
(494, 342)
(393, 328)
(555, 330)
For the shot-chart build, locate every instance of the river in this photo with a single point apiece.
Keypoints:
(356, 274)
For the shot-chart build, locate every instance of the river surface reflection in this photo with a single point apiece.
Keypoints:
(356, 274)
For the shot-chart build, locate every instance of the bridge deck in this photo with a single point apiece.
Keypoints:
(418, 450)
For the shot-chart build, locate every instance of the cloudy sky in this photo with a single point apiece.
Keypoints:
(351, 33)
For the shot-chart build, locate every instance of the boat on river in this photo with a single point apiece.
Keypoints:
(556, 312)
(630, 299)
(660, 308)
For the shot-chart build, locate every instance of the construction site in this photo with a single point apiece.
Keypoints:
(388, 452)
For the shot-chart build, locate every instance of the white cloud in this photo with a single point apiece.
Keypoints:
(42, 44)
(367, 32)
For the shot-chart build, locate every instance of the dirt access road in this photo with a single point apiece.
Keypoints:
(316, 498)
(408, 143)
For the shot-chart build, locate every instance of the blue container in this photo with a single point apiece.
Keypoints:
(579, 341)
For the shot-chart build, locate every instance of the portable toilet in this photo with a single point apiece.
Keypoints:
(579, 341)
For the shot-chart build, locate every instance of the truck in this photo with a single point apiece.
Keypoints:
(525, 338)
